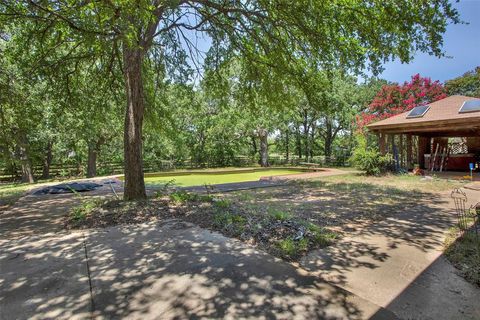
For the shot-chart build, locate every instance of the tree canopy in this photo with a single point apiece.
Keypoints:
(467, 85)
(144, 45)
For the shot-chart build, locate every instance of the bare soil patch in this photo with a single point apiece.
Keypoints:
(277, 232)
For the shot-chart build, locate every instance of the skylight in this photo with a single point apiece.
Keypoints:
(418, 112)
(470, 106)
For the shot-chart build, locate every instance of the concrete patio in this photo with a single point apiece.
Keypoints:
(167, 270)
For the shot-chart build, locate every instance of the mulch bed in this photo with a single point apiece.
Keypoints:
(228, 218)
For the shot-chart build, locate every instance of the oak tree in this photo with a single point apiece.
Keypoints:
(124, 34)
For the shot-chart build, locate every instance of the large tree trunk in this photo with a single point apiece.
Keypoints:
(312, 140)
(328, 149)
(254, 144)
(22, 151)
(328, 141)
(306, 131)
(92, 160)
(298, 141)
(134, 179)
(287, 146)
(27, 172)
(94, 147)
(47, 161)
(78, 161)
(263, 136)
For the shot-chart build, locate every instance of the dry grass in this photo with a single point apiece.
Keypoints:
(405, 182)
(343, 199)
(464, 254)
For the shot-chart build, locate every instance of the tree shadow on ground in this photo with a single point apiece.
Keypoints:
(437, 293)
(182, 272)
(35, 214)
(354, 208)
(178, 271)
(44, 277)
(39, 214)
(169, 271)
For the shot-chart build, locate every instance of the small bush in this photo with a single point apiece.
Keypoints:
(321, 236)
(245, 196)
(180, 196)
(183, 197)
(164, 190)
(227, 218)
(233, 222)
(279, 215)
(223, 203)
(80, 213)
(368, 159)
(291, 249)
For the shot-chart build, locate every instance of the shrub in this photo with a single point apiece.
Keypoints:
(279, 215)
(80, 213)
(291, 249)
(230, 221)
(369, 159)
(321, 236)
(183, 197)
(164, 190)
(223, 203)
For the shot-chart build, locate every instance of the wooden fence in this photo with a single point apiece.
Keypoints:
(116, 167)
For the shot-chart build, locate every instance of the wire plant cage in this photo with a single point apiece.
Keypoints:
(468, 217)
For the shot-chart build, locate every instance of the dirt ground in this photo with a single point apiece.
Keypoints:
(336, 203)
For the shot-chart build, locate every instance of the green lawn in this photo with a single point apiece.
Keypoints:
(198, 179)
(10, 192)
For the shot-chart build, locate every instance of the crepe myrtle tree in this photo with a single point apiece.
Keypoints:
(393, 99)
(350, 34)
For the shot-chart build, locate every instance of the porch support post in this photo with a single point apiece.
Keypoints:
(409, 151)
(391, 142)
(423, 148)
(381, 143)
(401, 150)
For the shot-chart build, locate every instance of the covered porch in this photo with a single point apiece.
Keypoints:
(438, 137)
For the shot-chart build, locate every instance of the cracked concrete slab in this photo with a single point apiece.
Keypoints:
(176, 270)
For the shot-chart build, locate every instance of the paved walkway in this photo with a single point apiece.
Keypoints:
(167, 270)
(398, 264)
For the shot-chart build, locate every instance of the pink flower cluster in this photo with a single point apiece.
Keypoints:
(394, 99)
